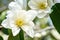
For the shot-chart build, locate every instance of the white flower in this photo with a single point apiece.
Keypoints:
(18, 5)
(20, 19)
(42, 6)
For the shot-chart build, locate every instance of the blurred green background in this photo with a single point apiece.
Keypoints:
(4, 4)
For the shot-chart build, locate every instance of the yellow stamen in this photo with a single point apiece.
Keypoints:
(19, 22)
(42, 5)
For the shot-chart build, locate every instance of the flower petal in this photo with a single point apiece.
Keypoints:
(31, 24)
(14, 6)
(56, 1)
(30, 15)
(50, 3)
(22, 3)
(28, 30)
(41, 14)
(32, 5)
(9, 14)
(5, 23)
(15, 30)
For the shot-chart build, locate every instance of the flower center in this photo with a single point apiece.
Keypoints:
(42, 5)
(19, 22)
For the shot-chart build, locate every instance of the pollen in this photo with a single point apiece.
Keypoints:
(19, 22)
(42, 5)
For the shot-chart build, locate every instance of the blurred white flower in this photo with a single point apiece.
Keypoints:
(56, 1)
(55, 34)
(4, 36)
(41, 34)
(38, 35)
(42, 6)
(18, 5)
(20, 19)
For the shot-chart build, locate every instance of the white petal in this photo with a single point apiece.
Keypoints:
(9, 14)
(50, 3)
(31, 24)
(22, 3)
(5, 23)
(28, 30)
(57, 1)
(16, 14)
(32, 5)
(14, 6)
(48, 10)
(41, 15)
(31, 14)
(15, 30)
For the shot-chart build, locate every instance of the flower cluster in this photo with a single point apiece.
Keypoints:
(22, 13)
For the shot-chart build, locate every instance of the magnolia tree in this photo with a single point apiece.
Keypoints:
(30, 19)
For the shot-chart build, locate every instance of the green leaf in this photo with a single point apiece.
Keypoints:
(5, 31)
(10, 35)
(3, 16)
(28, 38)
(55, 16)
(19, 36)
(28, 8)
(1, 38)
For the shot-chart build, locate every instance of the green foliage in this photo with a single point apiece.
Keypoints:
(1, 38)
(41, 21)
(5, 31)
(55, 16)
(3, 16)
(20, 36)
(48, 37)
